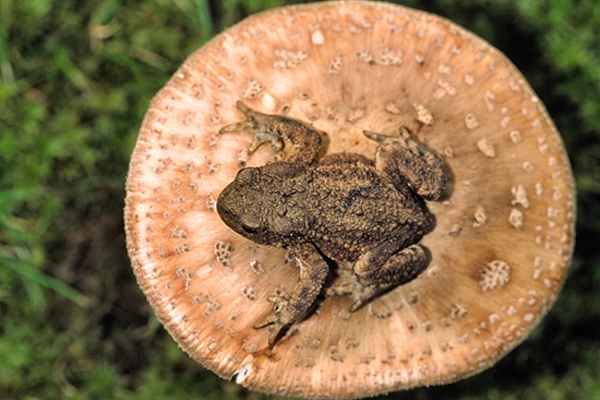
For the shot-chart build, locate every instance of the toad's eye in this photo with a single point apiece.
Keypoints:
(249, 229)
(251, 223)
(247, 176)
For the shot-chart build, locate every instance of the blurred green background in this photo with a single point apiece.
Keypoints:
(75, 80)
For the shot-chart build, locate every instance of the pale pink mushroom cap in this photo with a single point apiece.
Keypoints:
(500, 249)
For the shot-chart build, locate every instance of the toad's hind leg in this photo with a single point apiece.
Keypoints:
(276, 128)
(406, 160)
(374, 279)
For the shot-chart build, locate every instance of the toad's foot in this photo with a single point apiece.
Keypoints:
(274, 129)
(406, 160)
(368, 293)
(280, 317)
(405, 140)
(371, 278)
(261, 125)
(359, 294)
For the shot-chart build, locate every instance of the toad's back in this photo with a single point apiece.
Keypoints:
(351, 207)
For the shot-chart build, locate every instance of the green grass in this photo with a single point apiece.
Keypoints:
(75, 80)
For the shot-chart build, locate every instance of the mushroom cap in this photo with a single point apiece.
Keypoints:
(503, 237)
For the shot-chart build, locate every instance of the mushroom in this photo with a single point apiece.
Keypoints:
(499, 252)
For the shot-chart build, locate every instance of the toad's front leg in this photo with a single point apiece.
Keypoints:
(313, 271)
(276, 128)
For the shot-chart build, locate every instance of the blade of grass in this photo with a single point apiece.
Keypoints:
(206, 25)
(6, 69)
(32, 274)
(71, 71)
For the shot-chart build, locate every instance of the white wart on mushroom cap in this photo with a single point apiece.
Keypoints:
(500, 249)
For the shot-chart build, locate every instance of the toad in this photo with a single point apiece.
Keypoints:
(344, 207)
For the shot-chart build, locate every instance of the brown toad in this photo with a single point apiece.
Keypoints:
(344, 207)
